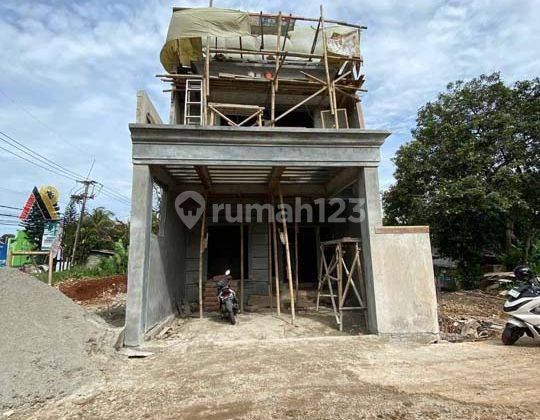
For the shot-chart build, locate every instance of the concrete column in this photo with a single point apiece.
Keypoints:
(368, 189)
(139, 254)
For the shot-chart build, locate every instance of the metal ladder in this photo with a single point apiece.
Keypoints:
(194, 98)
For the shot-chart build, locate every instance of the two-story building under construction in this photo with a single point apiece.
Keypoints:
(265, 113)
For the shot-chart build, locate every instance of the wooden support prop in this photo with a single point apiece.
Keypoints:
(202, 246)
(316, 79)
(330, 85)
(229, 121)
(287, 255)
(296, 260)
(278, 69)
(262, 32)
(250, 118)
(269, 235)
(207, 68)
(242, 294)
(278, 43)
(238, 51)
(286, 31)
(272, 105)
(276, 260)
(315, 38)
(309, 98)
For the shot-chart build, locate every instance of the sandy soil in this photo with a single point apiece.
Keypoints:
(210, 370)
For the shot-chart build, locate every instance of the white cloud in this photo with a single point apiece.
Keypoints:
(76, 66)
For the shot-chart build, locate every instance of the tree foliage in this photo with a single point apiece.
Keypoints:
(34, 225)
(472, 171)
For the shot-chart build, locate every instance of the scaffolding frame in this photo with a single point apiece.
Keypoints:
(346, 277)
(333, 84)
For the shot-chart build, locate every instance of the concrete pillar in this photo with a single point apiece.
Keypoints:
(139, 254)
(368, 189)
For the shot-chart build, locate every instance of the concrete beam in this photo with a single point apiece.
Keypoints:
(255, 146)
(255, 190)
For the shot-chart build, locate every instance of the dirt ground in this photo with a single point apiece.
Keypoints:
(209, 369)
(264, 367)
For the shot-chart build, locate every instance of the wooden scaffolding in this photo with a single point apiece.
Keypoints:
(338, 85)
(341, 275)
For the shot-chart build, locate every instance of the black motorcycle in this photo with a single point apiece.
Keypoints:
(228, 303)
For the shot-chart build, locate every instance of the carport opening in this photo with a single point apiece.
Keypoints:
(224, 250)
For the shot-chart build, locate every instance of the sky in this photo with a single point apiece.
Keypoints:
(70, 71)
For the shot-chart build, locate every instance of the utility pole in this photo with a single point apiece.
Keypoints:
(81, 197)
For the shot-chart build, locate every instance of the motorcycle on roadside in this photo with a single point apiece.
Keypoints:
(228, 303)
(523, 306)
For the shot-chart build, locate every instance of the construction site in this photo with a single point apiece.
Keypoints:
(265, 113)
(262, 174)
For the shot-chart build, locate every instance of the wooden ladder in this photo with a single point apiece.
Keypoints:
(194, 102)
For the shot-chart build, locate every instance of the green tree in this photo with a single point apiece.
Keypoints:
(471, 171)
(69, 221)
(34, 226)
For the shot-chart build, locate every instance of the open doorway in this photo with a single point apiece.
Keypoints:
(224, 250)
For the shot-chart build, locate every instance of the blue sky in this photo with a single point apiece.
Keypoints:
(70, 71)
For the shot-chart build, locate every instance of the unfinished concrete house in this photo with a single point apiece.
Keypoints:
(265, 113)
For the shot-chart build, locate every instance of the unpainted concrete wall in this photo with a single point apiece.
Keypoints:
(405, 298)
(166, 268)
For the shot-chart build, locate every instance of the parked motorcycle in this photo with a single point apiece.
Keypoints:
(228, 303)
(523, 306)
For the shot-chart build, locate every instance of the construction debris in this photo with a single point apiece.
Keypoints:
(470, 315)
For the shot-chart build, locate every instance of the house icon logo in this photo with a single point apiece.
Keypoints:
(189, 206)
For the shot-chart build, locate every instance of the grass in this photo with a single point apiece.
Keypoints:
(78, 272)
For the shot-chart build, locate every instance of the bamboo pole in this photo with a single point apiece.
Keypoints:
(321, 90)
(269, 234)
(276, 261)
(269, 52)
(287, 256)
(201, 253)
(242, 262)
(327, 71)
(278, 43)
(296, 259)
(339, 257)
(272, 105)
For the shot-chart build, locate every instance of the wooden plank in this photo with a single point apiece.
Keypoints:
(201, 253)
(276, 260)
(309, 98)
(288, 258)
(401, 229)
(275, 176)
(204, 176)
(242, 295)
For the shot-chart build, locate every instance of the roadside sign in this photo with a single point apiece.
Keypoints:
(50, 233)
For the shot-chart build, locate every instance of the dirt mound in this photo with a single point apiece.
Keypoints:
(45, 342)
(89, 289)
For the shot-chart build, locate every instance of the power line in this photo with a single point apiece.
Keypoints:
(21, 147)
(9, 215)
(54, 167)
(15, 102)
(37, 164)
(10, 207)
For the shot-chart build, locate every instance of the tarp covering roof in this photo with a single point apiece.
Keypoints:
(190, 28)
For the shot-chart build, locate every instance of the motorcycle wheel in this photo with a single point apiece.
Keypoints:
(511, 334)
(230, 310)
